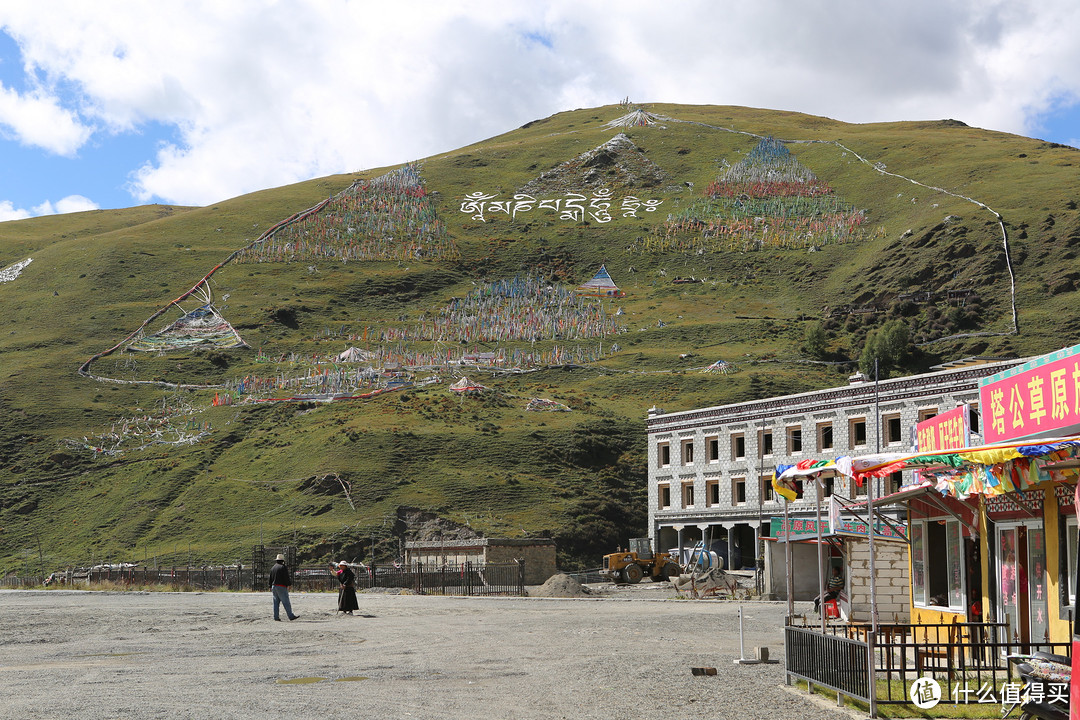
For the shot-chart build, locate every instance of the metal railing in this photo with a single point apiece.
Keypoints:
(832, 661)
(589, 576)
(224, 577)
(471, 579)
(960, 655)
(466, 579)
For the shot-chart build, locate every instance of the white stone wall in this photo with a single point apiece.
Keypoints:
(892, 584)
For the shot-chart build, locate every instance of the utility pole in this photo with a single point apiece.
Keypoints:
(872, 637)
(759, 546)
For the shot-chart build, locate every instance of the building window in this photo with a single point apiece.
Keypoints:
(663, 455)
(894, 434)
(857, 429)
(738, 447)
(973, 416)
(825, 436)
(765, 490)
(665, 497)
(894, 482)
(827, 484)
(794, 439)
(927, 413)
(687, 452)
(712, 493)
(712, 448)
(688, 495)
(860, 490)
(738, 491)
(764, 438)
(937, 578)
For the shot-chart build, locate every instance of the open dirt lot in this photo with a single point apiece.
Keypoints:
(71, 654)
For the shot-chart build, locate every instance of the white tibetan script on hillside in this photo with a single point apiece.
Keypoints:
(572, 206)
(12, 271)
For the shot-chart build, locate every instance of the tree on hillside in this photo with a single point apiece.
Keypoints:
(890, 345)
(814, 340)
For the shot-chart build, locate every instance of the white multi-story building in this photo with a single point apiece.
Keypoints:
(710, 470)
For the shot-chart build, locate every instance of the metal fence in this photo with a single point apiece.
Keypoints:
(589, 576)
(226, 577)
(833, 661)
(470, 579)
(962, 656)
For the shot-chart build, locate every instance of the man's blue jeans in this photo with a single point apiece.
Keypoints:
(281, 597)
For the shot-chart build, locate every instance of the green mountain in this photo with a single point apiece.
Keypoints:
(165, 372)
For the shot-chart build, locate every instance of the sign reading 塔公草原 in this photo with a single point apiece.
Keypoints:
(1038, 398)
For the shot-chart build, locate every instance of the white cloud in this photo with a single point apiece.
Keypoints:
(38, 119)
(264, 93)
(9, 212)
(69, 204)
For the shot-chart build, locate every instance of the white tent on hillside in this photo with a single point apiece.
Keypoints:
(353, 355)
(600, 286)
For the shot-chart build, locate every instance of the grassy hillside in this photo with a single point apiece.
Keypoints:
(138, 462)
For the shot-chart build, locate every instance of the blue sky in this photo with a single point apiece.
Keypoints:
(119, 103)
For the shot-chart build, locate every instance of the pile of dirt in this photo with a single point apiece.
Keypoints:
(560, 586)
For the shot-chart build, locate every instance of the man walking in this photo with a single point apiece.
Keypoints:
(280, 581)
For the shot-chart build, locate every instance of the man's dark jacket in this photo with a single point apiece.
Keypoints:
(279, 575)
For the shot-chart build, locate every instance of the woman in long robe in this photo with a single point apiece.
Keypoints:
(346, 601)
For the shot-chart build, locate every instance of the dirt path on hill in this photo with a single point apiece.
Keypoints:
(70, 654)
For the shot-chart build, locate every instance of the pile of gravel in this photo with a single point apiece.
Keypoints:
(560, 586)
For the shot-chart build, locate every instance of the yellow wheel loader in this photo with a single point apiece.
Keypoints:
(640, 561)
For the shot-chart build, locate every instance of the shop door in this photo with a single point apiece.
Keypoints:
(1021, 563)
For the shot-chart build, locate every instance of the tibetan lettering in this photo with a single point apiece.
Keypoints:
(576, 207)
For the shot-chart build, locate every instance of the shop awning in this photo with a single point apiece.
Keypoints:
(832, 536)
(986, 469)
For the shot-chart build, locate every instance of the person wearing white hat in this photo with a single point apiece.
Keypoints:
(280, 582)
(346, 599)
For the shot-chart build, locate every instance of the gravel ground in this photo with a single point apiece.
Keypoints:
(620, 653)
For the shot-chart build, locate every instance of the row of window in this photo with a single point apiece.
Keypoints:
(738, 494)
(712, 492)
(892, 434)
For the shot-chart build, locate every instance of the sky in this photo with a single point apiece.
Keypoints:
(116, 103)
